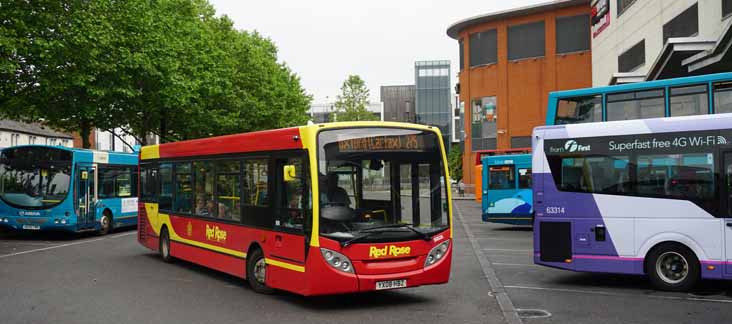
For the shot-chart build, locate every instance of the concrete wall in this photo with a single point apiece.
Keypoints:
(521, 87)
(6, 139)
(644, 19)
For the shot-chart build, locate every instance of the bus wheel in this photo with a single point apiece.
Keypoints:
(257, 272)
(673, 267)
(105, 223)
(165, 246)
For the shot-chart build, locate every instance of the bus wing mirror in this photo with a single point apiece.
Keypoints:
(290, 172)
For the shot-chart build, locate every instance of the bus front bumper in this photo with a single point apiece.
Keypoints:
(19, 223)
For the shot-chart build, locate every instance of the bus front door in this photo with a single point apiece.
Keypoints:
(727, 222)
(85, 198)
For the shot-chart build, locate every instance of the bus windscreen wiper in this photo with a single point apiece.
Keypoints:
(355, 239)
(421, 234)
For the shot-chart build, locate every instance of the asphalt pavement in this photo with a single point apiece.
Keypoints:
(545, 295)
(112, 279)
(53, 278)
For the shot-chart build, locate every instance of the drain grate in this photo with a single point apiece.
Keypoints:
(533, 313)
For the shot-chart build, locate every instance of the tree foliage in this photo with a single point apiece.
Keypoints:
(168, 67)
(351, 103)
(455, 162)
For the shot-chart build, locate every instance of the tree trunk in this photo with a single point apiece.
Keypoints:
(163, 127)
(84, 132)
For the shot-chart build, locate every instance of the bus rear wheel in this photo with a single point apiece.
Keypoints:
(257, 272)
(673, 267)
(165, 246)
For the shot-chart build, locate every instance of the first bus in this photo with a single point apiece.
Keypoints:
(314, 210)
(66, 189)
(645, 189)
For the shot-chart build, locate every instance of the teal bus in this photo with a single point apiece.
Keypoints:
(507, 196)
(687, 96)
(44, 188)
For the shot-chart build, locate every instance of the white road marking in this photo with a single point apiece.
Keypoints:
(509, 250)
(513, 264)
(614, 294)
(64, 245)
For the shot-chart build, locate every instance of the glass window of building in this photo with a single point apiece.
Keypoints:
(633, 58)
(526, 41)
(579, 110)
(723, 97)
(462, 54)
(483, 124)
(483, 48)
(573, 34)
(686, 24)
(691, 100)
(636, 105)
(624, 5)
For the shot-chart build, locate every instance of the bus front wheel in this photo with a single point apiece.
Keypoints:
(257, 272)
(165, 246)
(105, 223)
(673, 267)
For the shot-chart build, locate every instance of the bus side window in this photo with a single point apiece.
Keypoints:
(183, 188)
(149, 183)
(255, 195)
(165, 199)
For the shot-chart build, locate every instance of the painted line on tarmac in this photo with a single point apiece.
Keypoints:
(504, 301)
(613, 294)
(509, 250)
(63, 245)
(514, 264)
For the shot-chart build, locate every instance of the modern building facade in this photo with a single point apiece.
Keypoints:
(509, 62)
(637, 40)
(13, 133)
(326, 112)
(398, 101)
(433, 99)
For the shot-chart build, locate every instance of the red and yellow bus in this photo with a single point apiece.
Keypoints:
(318, 209)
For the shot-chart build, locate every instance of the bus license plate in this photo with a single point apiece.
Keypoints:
(391, 284)
(31, 227)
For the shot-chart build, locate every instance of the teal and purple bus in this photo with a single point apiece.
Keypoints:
(65, 189)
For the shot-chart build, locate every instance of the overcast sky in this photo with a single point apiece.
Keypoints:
(325, 40)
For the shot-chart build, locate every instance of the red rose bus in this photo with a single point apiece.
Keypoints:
(318, 209)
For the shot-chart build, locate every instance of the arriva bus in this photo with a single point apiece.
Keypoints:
(319, 209)
(58, 188)
(696, 95)
(507, 196)
(646, 197)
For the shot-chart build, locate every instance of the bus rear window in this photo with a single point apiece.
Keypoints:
(579, 110)
(501, 177)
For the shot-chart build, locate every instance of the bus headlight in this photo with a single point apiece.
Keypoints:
(337, 260)
(5, 220)
(438, 252)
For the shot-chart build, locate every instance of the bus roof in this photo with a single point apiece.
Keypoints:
(266, 140)
(640, 126)
(642, 85)
(503, 159)
(96, 156)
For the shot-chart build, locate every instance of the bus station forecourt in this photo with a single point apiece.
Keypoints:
(359, 207)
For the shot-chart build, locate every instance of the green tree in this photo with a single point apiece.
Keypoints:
(351, 103)
(455, 162)
(168, 67)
